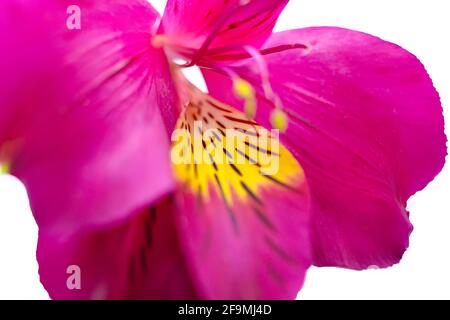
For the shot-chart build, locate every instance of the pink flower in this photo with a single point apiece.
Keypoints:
(86, 121)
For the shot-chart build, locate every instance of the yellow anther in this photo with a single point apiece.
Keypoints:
(245, 91)
(4, 168)
(279, 120)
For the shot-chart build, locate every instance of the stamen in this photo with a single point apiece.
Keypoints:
(278, 117)
(264, 72)
(279, 120)
(245, 91)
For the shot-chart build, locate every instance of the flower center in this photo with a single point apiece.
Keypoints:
(218, 149)
(242, 88)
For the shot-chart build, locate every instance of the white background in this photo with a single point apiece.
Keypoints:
(417, 25)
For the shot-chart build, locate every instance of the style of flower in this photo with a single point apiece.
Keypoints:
(87, 116)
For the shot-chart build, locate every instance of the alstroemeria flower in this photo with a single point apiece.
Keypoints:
(86, 121)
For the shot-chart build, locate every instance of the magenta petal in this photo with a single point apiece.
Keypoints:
(85, 119)
(140, 259)
(366, 125)
(190, 22)
(246, 234)
(243, 253)
(26, 46)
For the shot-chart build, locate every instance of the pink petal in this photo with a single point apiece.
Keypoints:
(16, 62)
(245, 234)
(84, 112)
(140, 259)
(367, 126)
(234, 23)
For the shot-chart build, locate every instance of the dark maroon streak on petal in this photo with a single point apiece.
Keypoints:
(245, 233)
(140, 259)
